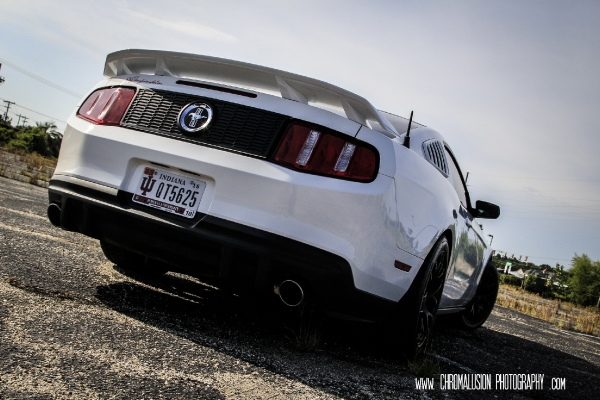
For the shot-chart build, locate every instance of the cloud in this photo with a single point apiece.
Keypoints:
(512, 85)
(188, 28)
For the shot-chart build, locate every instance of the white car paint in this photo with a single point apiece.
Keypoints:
(397, 217)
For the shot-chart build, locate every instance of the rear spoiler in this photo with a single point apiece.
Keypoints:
(255, 77)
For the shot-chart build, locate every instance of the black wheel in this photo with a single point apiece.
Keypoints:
(418, 309)
(480, 307)
(129, 260)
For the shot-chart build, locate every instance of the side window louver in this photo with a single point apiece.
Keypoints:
(433, 150)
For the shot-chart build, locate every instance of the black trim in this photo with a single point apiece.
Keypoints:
(467, 195)
(217, 88)
(226, 252)
(235, 127)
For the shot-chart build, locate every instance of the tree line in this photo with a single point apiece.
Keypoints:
(579, 284)
(43, 138)
(583, 280)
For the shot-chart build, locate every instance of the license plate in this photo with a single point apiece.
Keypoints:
(169, 192)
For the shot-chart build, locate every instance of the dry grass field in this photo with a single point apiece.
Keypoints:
(563, 314)
(26, 167)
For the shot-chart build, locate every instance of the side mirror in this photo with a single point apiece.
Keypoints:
(483, 209)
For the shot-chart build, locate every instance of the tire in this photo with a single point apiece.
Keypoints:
(418, 309)
(480, 307)
(129, 260)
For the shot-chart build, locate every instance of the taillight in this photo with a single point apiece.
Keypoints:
(313, 150)
(106, 106)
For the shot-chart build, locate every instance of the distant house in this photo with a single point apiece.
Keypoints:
(519, 273)
(541, 274)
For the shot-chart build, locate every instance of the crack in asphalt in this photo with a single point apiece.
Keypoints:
(24, 213)
(449, 361)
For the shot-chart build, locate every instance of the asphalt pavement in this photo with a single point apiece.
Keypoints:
(73, 325)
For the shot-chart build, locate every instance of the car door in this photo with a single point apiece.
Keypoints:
(467, 254)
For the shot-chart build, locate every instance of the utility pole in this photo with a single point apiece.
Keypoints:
(24, 119)
(8, 104)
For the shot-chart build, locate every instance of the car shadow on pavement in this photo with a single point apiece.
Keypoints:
(203, 309)
(264, 333)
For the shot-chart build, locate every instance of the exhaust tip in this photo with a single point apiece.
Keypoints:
(54, 214)
(290, 292)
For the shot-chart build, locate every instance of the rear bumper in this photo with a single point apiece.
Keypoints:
(209, 246)
(355, 221)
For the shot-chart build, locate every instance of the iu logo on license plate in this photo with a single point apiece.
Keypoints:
(148, 181)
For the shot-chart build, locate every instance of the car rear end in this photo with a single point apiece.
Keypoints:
(272, 190)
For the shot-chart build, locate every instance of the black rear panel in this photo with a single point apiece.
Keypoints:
(234, 127)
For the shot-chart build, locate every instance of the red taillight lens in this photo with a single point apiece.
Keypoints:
(310, 149)
(106, 106)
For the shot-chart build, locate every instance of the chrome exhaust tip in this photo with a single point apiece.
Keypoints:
(54, 214)
(290, 292)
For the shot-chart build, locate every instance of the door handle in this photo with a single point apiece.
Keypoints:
(465, 214)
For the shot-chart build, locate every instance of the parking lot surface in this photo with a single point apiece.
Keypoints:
(73, 325)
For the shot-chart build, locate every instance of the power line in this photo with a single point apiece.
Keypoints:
(8, 103)
(535, 195)
(548, 258)
(538, 179)
(24, 118)
(551, 213)
(554, 243)
(42, 80)
(19, 116)
(532, 194)
(523, 206)
(579, 219)
(37, 112)
(500, 231)
(544, 190)
(551, 197)
(44, 115)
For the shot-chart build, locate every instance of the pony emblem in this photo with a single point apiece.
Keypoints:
(194, 117)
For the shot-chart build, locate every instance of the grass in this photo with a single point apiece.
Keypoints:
(36, 164)
(308, 337)
(33, 160)
(36, 161)
(427, 366)
(562, 314)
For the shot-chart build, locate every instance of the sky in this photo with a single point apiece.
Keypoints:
(513, 86)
